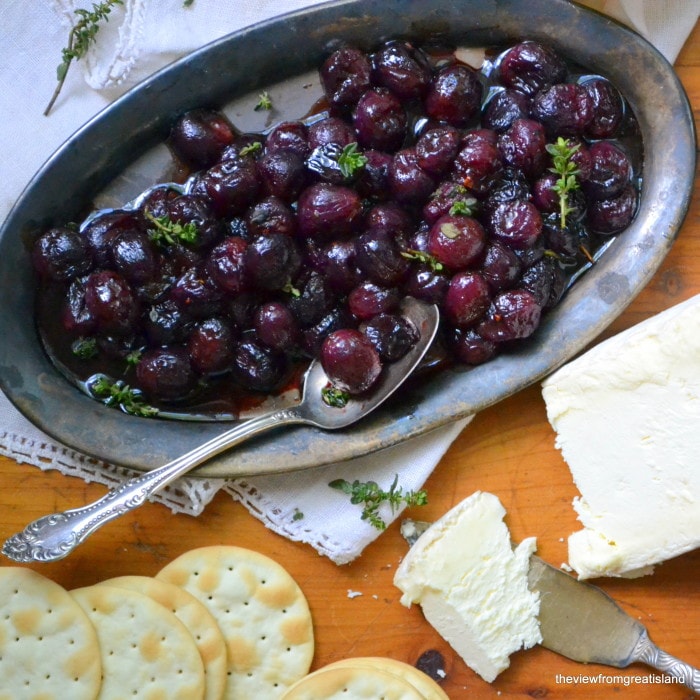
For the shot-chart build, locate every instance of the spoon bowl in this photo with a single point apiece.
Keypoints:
(55, 536)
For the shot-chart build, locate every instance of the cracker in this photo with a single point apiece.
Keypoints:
(422, 682)
(48, 646)
(262, 612)
(196, 618)
(352, 683)
(147, 653)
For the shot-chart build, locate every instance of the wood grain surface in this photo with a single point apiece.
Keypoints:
(508, 450)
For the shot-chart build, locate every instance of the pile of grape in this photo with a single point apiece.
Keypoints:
(480, 191)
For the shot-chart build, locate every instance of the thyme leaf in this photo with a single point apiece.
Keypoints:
(562, 153)
(118, 393)
(421, 256)
(264, 102)
(84, 348)
(334, 397)
(351, 160)
(168, 232)
(371, 496)
(81, 37)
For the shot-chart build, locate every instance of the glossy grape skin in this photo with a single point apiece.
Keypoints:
(609, 216)
(504, 108)
(196, 293)
(60, 254)
(256, 367)
(380, 120)
(530, 66)
(501, 267)
(402, 68)
(199, 137)
(391, 334)
(226, 265)
(564, 109)
(231, 186)
(350, 361)
(458, 242)
(436, 149)
(454, 96)
(76, 318)
(369, 299)
(467, 299)
(282, 174)
(337, 262)
(313, 298)
(133, 256)
(272, 262)
(373, 179)
(289, 136)
(276, 326)
(167, 324)
(166, 374)
(523, 146)
(312, 337)
(110, 300)
(345, 76)
(408, 182)
(514, 314)
(326, 212)
(516, 223)
(379, 258)
(478, 163)
(426, 284)
(469, 348)
(330, 130)
(270, 215)
(210, 346)
(195, 209)
(610, 171)
(608, 108)
(100, 230)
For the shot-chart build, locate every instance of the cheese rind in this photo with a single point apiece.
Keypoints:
(472, 586)
(627, 418)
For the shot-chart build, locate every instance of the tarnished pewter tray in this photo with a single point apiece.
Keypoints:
(120, 152)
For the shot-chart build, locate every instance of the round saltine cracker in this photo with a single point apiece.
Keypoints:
(147, 653)
(48, 646)
(352, 683)
(262, 612)
(198, 620)
(421, 681)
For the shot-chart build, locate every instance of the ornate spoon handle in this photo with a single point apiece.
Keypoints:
(55, 536)
(647, 652)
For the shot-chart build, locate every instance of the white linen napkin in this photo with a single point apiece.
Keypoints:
(140, 37)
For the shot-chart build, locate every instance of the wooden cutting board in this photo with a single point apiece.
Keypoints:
(507, 450)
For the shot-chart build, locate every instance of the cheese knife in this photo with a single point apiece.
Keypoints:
(583, 623)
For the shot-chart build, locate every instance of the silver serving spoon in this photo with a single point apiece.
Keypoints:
(55, 536)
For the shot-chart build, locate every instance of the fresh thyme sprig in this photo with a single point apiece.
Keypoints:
(84, 348)
(81, 36)
(334, 397)
(372, 496)
(562, 153)
(118, 393)
(167, 232)
(351, 160)
(426, 258)
(264, 102)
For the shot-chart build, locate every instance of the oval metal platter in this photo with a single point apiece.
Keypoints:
(119, 153)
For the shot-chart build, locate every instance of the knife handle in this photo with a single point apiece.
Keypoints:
(647, 652)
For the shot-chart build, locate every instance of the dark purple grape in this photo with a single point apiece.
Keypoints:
(312, 337)
(337, 262)
(454, 96)
(76, 317)
(509, 186)
(226, 265)
(272, 262)
(60, 254)
(529, 67)
(241, 309)
(514, 314)
(133, 257)
(282, 174)
(516, 223)
(210, 346)
(116, 347)
(199, 136)
(478, 162)
(276, 326)
(231, 186)
(543, 196)
(369, 299)
(196, 209)
(426, 284)
(402, 68)
(608, 216)
(103, 228)
(289, 136)
(458, 242)
(538, 278)
(196, 293)
(326, 212)
(166, 324)
(564, 109)
(313, 298)
(379, 258)
(380, 120)
(470, 348)
(501, 267)
(504, 108)
(408, 182)
(166, 374)
(325, 162)
(345, 76)
(523, 146)
(390, 217)
(436, 148)
(608, 108)
(111, 301)
(270, 215)
(257, 367)
(610, 171)
(391, 334)
(331, 130)
(448, 196)
(467, 299)
(350, 361)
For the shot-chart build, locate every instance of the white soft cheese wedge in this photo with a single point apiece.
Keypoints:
(627, 418)
(472, 586)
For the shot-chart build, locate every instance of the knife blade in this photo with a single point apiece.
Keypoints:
(583, 623)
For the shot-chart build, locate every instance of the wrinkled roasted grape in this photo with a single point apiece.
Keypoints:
(408, 182)
(478, 162)
(516, 223)
(199, 137)
(379, 258)
(454, 95)
(350, 360)
(501, 267)
(338, 263)
(210, 346)
(458, 242)
(270, 215)
(436, 148)
(257, 367)
(226, 265)
(313, 298)
(402, 68)
(312, 337)
(610, 171)
(103, 228)
(504, 108)
(60, 254)
(276, 326)
(391, 334)
(196, 293)
(369, 299)
(166, 324)
(331, 130)
(76, 317)
(111, 301)
(166, 374)
(272, 262)
(467, 299)
(530, 66)
(282, 174)
(289, 136)
(380, 120)
(326, 212)
(514, 314)
(373, 178)
(470, 348)
(609, 216)
(564, 109)
(608, 108)
(195, 209)
(345, 76)
(231, 186)
(523, 146)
